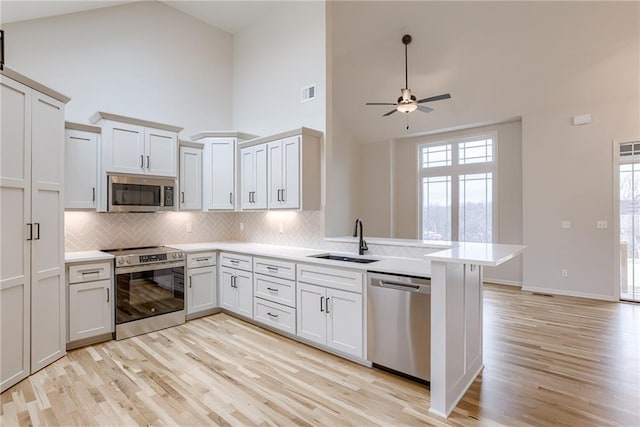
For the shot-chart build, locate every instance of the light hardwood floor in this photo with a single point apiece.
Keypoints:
(548, 361)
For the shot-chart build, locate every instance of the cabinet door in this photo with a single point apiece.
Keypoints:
(201, 290)
(124, 148)
(290, 194)
(90, 309)
(190, 178)
(247, 179)
(260, 189)
(344, 321)
(80, 166)
(228, 294)
(161, 149)
(48, 297)
(15, 211)
(274, 177)
(312, 319)
(221, 162)
(244, 288)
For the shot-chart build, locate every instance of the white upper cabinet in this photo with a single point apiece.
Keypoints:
(81, 166)
(134, 146)
(293, 173)
(190, 177)
(253, 180)
(220, 168)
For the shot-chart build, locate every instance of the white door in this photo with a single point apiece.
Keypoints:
(124, 148)
(201, 290)
(248, 179)
(228, 294)
(311, 315)
(628, 154)
(221, 161)
(48, 308)
(344, 321)
(161, 149)
(260, 189)
(291, 172)
(90, 309)
(274, 178)
(190, 178)
(244, 288)
(80, 166)
(15, 210)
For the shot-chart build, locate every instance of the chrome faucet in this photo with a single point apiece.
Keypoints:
(362, 244)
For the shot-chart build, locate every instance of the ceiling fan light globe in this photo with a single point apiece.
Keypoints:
(407, 108)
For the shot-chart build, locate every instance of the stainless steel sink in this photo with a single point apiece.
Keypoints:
(335, 257)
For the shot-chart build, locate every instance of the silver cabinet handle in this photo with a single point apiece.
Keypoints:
(231, 198)
(272, 289)
(30, 225)
(272, 268)
(37, 237)
(148, 163)
(107, 294)
(272, 315)
(234, 261)
(189, 281)
(321, 307)
(93, 190)
(326, 305)
(279, 196)
(86, 273)
(182, 195)
(141, 161)
(283, 197)
(202, 259)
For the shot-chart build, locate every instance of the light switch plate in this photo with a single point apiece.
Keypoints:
(565, 224)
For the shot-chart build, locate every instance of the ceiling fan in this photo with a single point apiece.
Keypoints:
(408, 102)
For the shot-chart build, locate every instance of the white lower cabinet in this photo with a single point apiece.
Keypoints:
(275, 315)
(236, 291)
(202, 289)
(328, 316)
(91, 303)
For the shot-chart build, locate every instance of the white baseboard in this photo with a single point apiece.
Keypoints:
(502, 282)
(552, 291)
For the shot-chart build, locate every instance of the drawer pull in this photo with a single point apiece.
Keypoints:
(202, 259)
(272, 315)
(271, 268)
(234, 261)
(87, 272)
(108, 296)
(272, 289)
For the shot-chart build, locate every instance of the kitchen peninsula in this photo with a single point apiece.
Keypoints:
(456, 302)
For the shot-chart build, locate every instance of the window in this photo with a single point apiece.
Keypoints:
(457, 189)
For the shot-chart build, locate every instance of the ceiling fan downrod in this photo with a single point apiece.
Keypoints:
(406, 39)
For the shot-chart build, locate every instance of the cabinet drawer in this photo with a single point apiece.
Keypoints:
(79, 273)
(275, 315)
(275, 289)
(201, 259)
(337, 278)
(275, 268)
(241, 262)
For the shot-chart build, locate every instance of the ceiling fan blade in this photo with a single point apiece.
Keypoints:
(380, 103)
(435, 98)
(424, 109)
(389, 113)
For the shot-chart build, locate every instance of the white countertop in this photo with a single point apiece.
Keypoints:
(485, 254)
(86, 256)
(386, 241)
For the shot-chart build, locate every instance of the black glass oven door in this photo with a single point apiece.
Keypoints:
(149, 293)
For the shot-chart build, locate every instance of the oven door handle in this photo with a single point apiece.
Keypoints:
(148, 267)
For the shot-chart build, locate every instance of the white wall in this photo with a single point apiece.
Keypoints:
(273, 59)
(144, 60)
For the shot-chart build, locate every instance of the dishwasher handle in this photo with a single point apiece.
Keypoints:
(401, 284)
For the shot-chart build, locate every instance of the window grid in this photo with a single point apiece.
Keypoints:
(479, 151)
(436, 156)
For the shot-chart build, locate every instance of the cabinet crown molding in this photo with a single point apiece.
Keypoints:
(223, 134)
(82, 127)
(293, 132)
(99, 115)
(20, 78)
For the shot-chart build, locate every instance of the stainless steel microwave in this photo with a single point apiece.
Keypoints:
(140, 194)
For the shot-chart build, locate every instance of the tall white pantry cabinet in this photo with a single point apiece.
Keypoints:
(32, 282)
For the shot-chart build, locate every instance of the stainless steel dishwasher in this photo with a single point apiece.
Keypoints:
(399, 323)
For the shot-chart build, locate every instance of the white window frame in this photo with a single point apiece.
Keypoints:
(455, 170)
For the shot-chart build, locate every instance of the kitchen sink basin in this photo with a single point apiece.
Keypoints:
(334, 257)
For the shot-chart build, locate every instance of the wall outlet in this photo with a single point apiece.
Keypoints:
(602, 224)
(564, 273)
(242, 226)
(189, 227)
(565, 224)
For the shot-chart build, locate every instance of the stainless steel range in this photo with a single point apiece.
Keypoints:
(149, 289)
